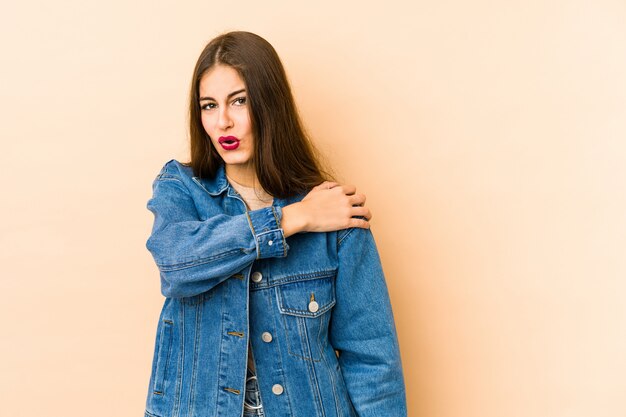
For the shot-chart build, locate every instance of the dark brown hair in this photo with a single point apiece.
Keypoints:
(285, 160)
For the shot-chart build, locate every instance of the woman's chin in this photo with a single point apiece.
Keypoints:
(238, 164)
(232, 161)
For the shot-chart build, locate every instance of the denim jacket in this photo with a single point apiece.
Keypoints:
(314, 307)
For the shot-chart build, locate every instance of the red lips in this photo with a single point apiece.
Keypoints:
(229, 143)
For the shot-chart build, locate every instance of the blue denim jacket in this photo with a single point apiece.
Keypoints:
(314, 307)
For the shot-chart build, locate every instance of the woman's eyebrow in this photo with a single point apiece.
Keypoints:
(234, 93)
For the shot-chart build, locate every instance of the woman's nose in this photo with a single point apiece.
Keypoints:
(224, 121)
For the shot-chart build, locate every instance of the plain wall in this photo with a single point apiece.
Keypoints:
(489, 138)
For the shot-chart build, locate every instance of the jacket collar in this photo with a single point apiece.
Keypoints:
(218, 184)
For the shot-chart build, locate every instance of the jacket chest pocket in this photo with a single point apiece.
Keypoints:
(305, 312)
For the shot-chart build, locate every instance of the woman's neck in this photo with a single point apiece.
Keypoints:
(242, 174)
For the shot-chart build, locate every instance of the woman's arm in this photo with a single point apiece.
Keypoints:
(362, 329)
(327, 207)
(194, 255)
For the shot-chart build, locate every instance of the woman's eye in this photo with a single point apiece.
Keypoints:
(208, 106)
(240, 101)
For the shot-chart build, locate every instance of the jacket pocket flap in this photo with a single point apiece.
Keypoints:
(309, 298)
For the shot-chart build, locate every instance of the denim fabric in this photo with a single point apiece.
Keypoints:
(313, 306)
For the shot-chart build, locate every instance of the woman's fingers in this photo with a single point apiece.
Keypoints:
(357, 199)
(361, 211)
(333, 206)
(363, 224)
(326, 185)
(348, 189)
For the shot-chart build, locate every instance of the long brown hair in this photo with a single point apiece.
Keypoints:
(285, 160)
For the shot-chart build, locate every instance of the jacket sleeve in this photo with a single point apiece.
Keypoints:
(362, 329)
(194, 255)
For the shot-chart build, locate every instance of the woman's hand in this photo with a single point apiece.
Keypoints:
(327, 207)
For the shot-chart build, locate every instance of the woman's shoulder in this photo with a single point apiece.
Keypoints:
(174, 177)
(354, 234)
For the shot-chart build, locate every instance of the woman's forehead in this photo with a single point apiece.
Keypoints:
(219, 81)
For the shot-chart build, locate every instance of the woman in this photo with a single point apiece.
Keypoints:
(262, 318)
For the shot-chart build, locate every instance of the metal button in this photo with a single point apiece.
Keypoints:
(277, 389)
(267, 337)
(271, 242)
(313, 306)
(257, 276)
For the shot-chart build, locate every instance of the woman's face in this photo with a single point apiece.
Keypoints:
(225, 118)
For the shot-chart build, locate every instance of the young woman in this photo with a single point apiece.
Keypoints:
(276, 303)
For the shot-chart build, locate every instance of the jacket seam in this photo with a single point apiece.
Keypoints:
(281, 351)
(166, 267)
(281, 232)
(219, 362)
(194, 371)
(254, 235)
(342, 238)
(326, 273)
(164, 176)
(300, 313)
(338, 407)
(317, 395)
(269, 232)
(181, 362)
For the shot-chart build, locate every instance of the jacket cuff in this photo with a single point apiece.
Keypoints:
(268, 235)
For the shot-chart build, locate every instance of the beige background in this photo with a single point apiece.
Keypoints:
(488, 136)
